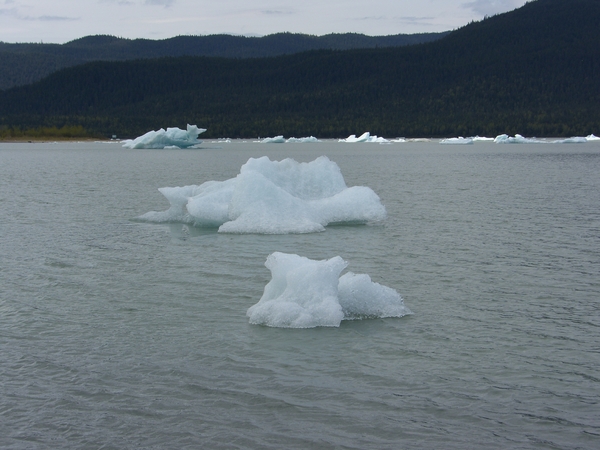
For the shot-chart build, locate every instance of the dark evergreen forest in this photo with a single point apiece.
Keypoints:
(534, 71)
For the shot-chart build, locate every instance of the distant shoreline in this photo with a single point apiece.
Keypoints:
(41, 140)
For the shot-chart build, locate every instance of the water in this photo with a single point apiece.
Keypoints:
(117, 334)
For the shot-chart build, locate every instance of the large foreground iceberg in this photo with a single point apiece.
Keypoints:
(304, 293)
(172, 137)
(273, 197)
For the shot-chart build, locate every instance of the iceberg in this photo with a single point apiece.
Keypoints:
(304, 140)
(305, 293)
(353, 139)
(272, 197)
(591, 137)
(273, 140)
(457, 141)
(171, 138)
(517, 139)
(365, 137)
(571, 140)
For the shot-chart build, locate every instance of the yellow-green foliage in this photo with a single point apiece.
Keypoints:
(64, 132)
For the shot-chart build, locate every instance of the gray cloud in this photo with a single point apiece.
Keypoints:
(490, 7)
(118, 2)
(274, 12)
(14, 13)
(54, 18)
(165, 3)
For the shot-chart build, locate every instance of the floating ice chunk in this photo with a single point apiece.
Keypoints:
(457, 141)
(302, 293)
(362, 298)
(273, 197)
(171, 138)
(482, 139)
(378, 140)
(365, 137)
(273, 140)
(517, 139)
(591, 137)
(305, 293)
(571, 140)
(304, 140)
(352, 138)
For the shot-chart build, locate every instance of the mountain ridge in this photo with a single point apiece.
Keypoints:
(26, 63)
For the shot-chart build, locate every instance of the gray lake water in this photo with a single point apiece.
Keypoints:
(116, 334)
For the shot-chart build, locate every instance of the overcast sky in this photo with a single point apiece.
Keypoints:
(59, 21)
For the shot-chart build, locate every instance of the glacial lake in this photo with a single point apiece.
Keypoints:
(117, 334)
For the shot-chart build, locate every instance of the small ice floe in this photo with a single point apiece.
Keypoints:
(365, 137)
(571, 140)
(517, 139)
(273, 140)
(306, 293)
(457, 141)
(303, 140)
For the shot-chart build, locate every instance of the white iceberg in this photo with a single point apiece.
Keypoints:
(571, 140)
(304, 140)
(517, 139)
(591, 137)
(273, 140)
(365, 137)
(171, 138)
(305, 293)
(353, 139)
(273, 197)
(457, 141)
(482, 139)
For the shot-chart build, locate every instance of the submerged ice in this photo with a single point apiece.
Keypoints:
(171, 137)
(305, 293)
(272, 197)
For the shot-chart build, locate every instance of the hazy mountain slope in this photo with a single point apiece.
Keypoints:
(22, 64)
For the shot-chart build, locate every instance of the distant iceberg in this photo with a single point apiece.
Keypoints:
(365, 137)
(273, 140)
(304, 140)
(571, 140)
(292, 140)
(517, 139)
(304, 293)
(457, 141)
(172, 137)
(591, 137)
(272, 197)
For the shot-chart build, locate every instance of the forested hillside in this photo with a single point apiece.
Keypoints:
(534, 71)
(22, 64)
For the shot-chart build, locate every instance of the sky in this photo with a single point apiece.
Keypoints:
(60, 21)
